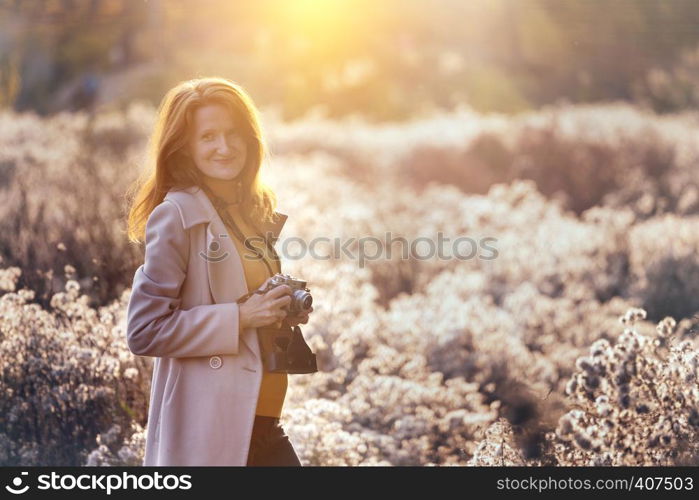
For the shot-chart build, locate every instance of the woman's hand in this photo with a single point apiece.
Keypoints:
(265, 309)
(301, 318)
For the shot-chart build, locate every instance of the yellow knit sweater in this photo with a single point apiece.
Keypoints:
(274, 385)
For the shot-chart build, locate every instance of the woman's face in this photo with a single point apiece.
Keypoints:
(216, 145)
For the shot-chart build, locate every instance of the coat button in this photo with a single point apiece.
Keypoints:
(215, 362)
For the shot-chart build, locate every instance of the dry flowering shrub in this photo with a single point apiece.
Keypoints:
(8, 278)
(560, 148)
(376, 389)
(664, 266)
(112, 451)
(534, 241)
(47, 221)
(672, 89)
(498, 448)
(391, 420)
(650, 158)
(636, 401)
(319, 433)
(67, 376)
(614, 155)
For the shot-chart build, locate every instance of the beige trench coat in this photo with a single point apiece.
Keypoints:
(182, 311)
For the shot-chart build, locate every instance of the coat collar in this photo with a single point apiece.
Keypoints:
(225, 271)
(196, 208)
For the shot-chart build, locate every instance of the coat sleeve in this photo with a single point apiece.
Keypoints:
(155, 324)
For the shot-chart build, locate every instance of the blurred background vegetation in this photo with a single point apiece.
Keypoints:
(387, 60)
(566, 129)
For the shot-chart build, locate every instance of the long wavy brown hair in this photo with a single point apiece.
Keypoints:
(167, 166)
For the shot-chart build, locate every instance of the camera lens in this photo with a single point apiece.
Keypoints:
(307, 302)
(302, 300)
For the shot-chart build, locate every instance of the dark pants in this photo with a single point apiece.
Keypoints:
(269, 445)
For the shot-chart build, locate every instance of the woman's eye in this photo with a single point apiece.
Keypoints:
(208, 137)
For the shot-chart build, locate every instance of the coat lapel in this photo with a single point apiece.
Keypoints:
(224, 267)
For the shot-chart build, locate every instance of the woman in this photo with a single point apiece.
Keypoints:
(197, 207)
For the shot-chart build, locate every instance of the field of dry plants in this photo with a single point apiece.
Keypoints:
(576, 345)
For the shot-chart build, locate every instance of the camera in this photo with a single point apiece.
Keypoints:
(284, 350)
(301, 299)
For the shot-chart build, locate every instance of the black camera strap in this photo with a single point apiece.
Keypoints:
(220, 206)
